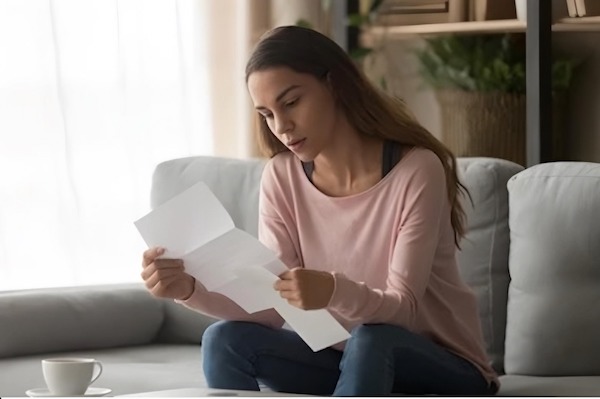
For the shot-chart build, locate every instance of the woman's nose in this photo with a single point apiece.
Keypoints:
(283, 124)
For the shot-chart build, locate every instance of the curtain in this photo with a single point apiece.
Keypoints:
(94, 94)
(234, 114)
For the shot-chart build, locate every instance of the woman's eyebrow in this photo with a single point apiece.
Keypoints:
(286, 91)
(280, 95)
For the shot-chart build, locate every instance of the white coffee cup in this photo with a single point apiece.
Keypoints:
(70, 376)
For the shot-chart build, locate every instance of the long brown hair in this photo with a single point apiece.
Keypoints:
(370, 111)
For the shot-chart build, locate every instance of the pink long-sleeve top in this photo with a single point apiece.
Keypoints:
(390, 249)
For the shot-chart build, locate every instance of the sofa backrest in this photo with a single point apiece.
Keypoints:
(181, 325)
(234, 182)
(483, 258)
(553, 325)
(78, 318)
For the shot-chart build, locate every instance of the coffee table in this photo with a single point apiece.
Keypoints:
(208, 392)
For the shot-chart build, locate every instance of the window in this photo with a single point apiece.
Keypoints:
(93, 94)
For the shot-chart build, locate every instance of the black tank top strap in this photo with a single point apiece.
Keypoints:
(308, 169)
(391, 156)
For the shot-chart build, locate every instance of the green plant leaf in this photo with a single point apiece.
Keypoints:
(304, 23)
(375, 5)
(357, 20)
(483, 63)
(360, 53)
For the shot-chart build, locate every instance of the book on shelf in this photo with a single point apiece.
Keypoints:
(587, 8)
(414, 6)
(560, 9)
(571, 8)
(485, 10)
(418, 12)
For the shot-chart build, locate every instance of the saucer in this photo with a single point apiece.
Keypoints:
(44, 392)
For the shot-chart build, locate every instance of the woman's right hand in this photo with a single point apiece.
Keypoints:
(166, 278)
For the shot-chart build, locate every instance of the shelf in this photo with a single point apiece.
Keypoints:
(508, 25)
(584, 24)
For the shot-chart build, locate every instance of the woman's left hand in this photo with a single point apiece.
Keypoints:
(306, 289)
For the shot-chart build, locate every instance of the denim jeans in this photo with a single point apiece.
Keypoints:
(379, 359)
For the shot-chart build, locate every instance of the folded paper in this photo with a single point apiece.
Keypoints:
(195, 227)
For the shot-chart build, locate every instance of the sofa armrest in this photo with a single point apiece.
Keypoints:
(78, 318)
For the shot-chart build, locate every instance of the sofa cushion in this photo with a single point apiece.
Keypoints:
(553, 324)
(483, 259)
(61, 319)
(523, 386)
(182, 325)
(234, 182)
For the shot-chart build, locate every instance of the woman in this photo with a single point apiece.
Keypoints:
(362, 204)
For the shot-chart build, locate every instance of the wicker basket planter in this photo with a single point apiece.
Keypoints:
(484, 124)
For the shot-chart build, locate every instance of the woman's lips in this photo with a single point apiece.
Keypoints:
(295, 145)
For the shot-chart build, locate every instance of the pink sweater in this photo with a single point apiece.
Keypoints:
(390, 249)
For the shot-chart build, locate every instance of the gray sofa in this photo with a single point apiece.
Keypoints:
(537, 283)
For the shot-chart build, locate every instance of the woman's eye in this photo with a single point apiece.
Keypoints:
(291, 103)
(267, 116)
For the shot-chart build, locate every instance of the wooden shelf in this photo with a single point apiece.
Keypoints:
(508, 25)
(584, 24)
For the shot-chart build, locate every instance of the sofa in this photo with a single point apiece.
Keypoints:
(531, 255)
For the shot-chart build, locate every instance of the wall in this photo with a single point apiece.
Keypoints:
(583, 124)
(582, 141)
(328, 17)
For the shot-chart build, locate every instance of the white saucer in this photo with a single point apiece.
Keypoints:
(44, 392)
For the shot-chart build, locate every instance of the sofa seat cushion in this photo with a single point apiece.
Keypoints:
(553, 327)
(127, 370)
(519, 385)
(63, 319)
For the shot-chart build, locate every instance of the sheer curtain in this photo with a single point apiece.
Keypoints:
(93, 94)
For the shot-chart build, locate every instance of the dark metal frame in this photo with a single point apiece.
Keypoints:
(353, 32)
(539, 82)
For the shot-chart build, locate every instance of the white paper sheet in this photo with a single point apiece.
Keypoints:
(185, 222)
(313, 326)
(195, 227)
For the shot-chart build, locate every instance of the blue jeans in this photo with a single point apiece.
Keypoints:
(379, 359)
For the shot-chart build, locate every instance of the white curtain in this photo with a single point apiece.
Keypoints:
(93, 94)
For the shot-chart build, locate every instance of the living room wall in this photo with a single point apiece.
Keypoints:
(582, 136)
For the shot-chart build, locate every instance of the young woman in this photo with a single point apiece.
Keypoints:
(362, 204)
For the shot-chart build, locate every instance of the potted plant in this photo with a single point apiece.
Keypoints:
(479, 82)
